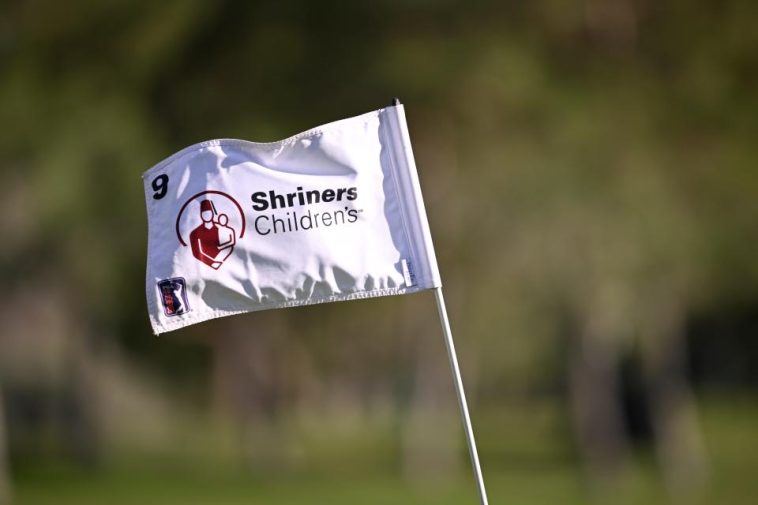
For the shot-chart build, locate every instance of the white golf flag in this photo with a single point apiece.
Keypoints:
(334, 213)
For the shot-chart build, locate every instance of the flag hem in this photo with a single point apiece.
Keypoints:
(159, 328)
(410, 197)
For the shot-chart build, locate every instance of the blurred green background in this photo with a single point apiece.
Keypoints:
(589, 169)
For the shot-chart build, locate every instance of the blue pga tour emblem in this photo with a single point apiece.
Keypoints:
(173, 294)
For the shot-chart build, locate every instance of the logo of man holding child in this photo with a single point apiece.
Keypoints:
(213, 240)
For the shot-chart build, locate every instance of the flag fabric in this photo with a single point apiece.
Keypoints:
(334, 213)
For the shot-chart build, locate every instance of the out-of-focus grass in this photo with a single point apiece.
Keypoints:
(730, 424)
(518, 470)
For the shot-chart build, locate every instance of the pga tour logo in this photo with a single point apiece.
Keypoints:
(173, 295)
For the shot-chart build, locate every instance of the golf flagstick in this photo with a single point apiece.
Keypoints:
(444, 322)
(461, 395)
(368, 155)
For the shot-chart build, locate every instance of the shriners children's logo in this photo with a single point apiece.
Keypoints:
(173, 294)
(210, 222)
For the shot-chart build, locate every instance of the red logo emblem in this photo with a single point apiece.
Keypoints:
(212, 222)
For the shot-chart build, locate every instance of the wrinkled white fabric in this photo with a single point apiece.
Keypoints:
(331, 214)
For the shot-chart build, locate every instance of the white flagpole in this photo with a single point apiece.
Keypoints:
(461, 395)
